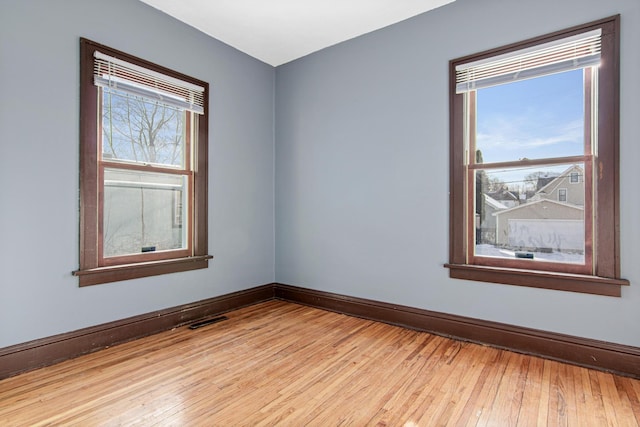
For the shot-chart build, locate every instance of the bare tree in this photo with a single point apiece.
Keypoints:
(142, 130)
(482, 184)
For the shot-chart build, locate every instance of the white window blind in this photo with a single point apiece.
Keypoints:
(117, 74)
(569, 53)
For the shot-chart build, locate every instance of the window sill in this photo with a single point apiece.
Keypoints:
(539, 279)
(95, 276)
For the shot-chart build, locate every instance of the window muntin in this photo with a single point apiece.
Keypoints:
(143, 167)
(600, 273)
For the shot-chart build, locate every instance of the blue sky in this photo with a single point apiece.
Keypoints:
(536, 118)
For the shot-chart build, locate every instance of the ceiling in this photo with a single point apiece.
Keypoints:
(279, 31)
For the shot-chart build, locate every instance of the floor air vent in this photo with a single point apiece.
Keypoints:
(206, 322)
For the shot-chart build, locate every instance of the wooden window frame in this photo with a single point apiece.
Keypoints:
(94, 268)
(603, 277)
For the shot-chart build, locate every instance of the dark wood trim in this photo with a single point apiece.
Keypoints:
(47, 351)
(570, 282)
(601, 355)
(607, 178)
(532, 162)
(92, 176)
(88, 182)
(99, 275)
(457, 179)
(616, 358)
(149, 168)
(534, 41)
(200, 181)
(602, 252)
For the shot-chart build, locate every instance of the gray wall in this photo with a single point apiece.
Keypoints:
(361, 175)
(362, 154)
(39, 62)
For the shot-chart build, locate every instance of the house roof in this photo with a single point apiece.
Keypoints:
(543, 181)
(494, 203)
(556, 180)
(503, 195)
(532, 203)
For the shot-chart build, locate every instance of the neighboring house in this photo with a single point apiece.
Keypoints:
(541, 224)
(505, 197)
(568, 187)
(553, 218)
(544, 179)
(487, 227)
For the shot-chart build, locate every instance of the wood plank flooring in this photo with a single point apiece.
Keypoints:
(279, 363)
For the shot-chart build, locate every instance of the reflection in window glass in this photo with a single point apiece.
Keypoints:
(143, 212)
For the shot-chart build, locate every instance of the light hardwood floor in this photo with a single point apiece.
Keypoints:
(279, 363)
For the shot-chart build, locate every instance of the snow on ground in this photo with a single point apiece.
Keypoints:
(490, 250)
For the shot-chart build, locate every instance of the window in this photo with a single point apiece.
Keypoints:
(143, 166)
(526, 120)
(575, 177)
(562, 197)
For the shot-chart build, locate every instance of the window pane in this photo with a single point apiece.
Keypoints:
(136, 129)
(530, 212)
(533, 119)
(143, 212)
